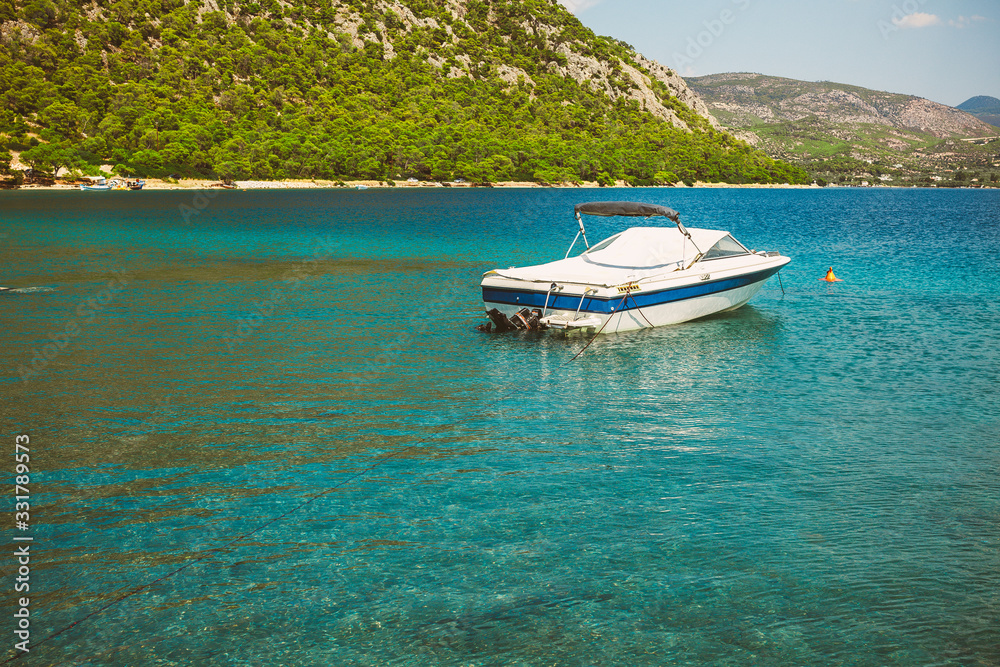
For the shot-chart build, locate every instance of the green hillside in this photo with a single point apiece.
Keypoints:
(321, 89)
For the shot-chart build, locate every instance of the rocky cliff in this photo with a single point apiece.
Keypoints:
(603, 64)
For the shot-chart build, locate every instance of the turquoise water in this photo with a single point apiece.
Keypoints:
(812, 479)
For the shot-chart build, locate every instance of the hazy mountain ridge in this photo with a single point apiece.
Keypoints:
(851, 134)
(983, 107)
(744, 100)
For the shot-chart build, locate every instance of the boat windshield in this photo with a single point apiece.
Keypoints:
(726, 247)
(603, 244)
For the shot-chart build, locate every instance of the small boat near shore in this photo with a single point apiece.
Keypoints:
(639, 278)
(98, 184)
(101, 184)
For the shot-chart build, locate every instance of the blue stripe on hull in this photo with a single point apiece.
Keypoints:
(532, 299)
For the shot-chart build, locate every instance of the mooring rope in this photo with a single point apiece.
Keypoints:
(594, 337)
(640, 310)
(211, 553)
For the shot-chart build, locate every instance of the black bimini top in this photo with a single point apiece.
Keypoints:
(629, 208)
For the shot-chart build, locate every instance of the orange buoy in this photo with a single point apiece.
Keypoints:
(830, 278)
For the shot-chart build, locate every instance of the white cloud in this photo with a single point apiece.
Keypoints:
(966, 21)
(577, 6)
(917, 20)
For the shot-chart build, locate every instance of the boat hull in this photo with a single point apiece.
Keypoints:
(622, 309)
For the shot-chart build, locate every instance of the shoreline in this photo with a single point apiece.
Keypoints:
(317, 184)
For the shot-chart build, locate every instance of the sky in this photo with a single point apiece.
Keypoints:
(944, 50)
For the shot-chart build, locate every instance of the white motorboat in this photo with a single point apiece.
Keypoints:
(639, 278)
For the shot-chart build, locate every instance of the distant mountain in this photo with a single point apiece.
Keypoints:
(743, 100)
(983, 107)
(848, 133)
